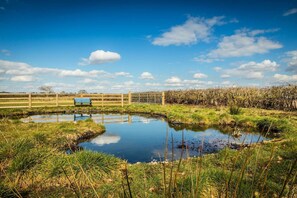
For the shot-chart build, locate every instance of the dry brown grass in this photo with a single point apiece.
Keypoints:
(278, 97)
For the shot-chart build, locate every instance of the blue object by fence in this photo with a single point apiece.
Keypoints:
(82, 102)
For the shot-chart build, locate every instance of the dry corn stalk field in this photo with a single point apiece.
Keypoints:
(277, 97)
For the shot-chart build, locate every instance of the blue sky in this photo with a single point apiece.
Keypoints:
(118, 46)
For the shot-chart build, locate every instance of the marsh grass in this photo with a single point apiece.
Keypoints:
(235, 110)
(276, 97)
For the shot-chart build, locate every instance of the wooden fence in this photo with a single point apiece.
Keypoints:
(148, 97)
(29, 100)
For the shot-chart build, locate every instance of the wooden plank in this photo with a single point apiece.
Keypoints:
(9, 94)
(24, 98)
(43, 102)
(111, 104)
(3, 103)
(110, 101)
(11, 107)
(44, 106)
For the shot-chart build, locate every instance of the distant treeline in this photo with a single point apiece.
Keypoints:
(277, 97)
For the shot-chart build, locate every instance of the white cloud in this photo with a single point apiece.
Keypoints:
(251, 70)
(88, 81)
(5, 52)
(125, 86)
(80, 73)
(173, 79)
(195, 29)
(217, 69)
(146, 76)
(22, 78)
(285, 78)
(200, 75)
(177, 82)
(19, 69)
(226, 82)
(291, 60)
(266, 65)
(152, 84)
(225, 76)
(291, 11)
(196, 82)
(99, 57)
(123, 74)
(258, 31)
(242, 43)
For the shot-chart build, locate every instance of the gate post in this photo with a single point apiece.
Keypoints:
(163, 98)
(30, 100)
(57, 99)
(129, 98)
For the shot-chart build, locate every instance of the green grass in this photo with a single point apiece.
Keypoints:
(33, 161)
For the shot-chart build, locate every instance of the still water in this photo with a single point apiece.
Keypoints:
(137, 138)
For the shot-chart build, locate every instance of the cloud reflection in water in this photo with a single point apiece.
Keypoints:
(106, 139)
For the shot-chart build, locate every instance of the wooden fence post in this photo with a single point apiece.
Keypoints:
(163, 98)
(30, 100)
(129, 98)
(102, 101)
(122, 99)
(57, 99)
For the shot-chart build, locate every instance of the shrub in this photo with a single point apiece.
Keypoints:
(234, 110)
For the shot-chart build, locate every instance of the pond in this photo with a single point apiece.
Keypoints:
(138, 138)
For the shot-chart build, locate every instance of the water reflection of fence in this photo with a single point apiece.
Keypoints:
(98, 118)
(107, 119)
(28, 100)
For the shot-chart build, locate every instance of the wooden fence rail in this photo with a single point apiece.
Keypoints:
(29, 100)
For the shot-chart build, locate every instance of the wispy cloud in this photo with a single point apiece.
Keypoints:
(250, 70)
(291, 60)
(100, 57)
(200, 75)
(177, 82)
(123, 74)
(23, 69)
(22, 78)
(290, 12)
(5, 52)
(285, 78)
(244, 42)
(146, 76)
(194, 30)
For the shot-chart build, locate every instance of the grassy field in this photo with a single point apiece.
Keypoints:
(33, 161)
